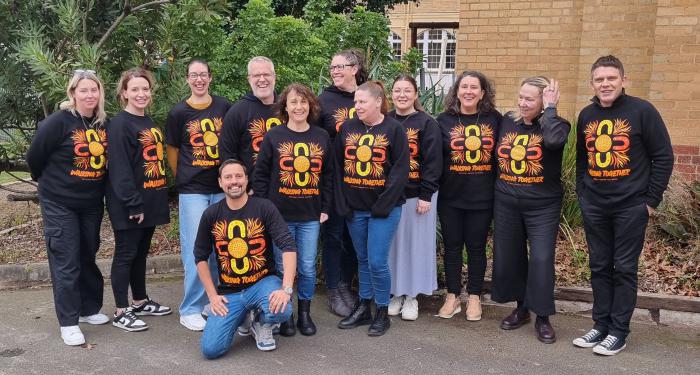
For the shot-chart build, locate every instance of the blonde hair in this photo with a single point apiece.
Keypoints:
(538, 81)
(69, 104)
(128, 76)
(376, 89)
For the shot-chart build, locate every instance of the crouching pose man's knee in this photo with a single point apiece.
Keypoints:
(242, 229)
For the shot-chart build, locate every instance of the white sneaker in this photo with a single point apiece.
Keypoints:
(244, 328)
(262, 333)
(395, 305)
(95, 319)
(193, 322)
(410, 309)
(72, 335)
(207, 310)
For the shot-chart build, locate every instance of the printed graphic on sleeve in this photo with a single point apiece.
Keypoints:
(240, 248)
(365, 155)
(204, 138)
(413, 146)
(471, 148)
(342, 114)
(154, 156)
(257, 129)
(520, 158)
(89, 153)
(607, 144)
(300, 168)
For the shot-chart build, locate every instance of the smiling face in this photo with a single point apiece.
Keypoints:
(297, 108)
(403, 94)
(367, 107)
(261, 78)
(607, 83)
(344, 78)
(198, 78)
(469, 94)
(529, 102)
(137, 94)
(233, 181)
(87, 96)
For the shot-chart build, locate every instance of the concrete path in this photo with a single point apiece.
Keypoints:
(30, 344)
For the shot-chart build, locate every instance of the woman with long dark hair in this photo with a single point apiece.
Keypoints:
(465, 206)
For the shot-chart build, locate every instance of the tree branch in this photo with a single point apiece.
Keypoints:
(125, 13)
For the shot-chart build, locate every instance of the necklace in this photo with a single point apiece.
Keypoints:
(369, 127)
(459, 118)
(92, 122)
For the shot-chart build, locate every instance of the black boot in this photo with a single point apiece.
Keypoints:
(304, 323)
(361, 315)
(287, 328)
(381, 322)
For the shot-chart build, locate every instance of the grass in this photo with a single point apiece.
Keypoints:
(6, 178)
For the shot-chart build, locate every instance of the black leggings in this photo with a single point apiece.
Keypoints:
(129, 264)
(462, 228)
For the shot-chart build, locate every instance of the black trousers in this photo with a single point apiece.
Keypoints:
(462, 228)
(615, 239)
(517, 275)
(129, 264)
(72, 239)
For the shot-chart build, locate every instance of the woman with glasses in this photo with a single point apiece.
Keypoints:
(347, 70)
(67, 157)
(192, 132)
(137, 197)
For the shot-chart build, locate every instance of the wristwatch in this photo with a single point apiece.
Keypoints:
(288, 290)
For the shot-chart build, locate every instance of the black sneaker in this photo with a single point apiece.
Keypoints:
(151, 307)
(611, 345)
(128, 321)
(590, 339)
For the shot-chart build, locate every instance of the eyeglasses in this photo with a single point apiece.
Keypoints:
(339, 66)
(261, 75)
(203, 75)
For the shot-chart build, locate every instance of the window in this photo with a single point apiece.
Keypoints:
(438, 47)
(395, 42)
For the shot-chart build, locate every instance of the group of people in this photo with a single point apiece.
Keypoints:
(261, 180)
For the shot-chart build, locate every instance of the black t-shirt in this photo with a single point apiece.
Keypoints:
(242, 240)
(371, 167)
(294, 170)
(68, 157)
(425, 145)
(529, 156)
(136, 171)
(196, 132)
(469, 160)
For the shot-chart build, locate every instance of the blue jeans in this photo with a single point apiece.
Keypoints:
(372, 238)
(305, 234)
(220, 330)
(191, 207)
(338, 257)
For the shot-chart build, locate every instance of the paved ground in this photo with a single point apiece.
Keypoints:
(30, 344)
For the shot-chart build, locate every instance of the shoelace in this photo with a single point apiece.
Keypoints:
(609, 341)
(591, 334)
(266, 332)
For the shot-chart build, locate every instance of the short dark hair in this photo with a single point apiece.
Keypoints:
(357, 58)
(486, 104)
(302, 90)
(232, 161)
(198, 60)
(608, 61)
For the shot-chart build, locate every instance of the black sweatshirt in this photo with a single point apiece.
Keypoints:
(295, 171)
(623, 154)
(469, 160)
(529, 156)
(336, 107)
(137, 183)
(244, 128)
(243, 241)
(371, 167)
(425, 158)
(67, 156)
(195, 132)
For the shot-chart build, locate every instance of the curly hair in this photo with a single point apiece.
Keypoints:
(486, 104)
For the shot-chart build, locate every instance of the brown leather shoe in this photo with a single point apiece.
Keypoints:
(545, 331)
(516, 319)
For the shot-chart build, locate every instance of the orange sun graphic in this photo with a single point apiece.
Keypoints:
(153, 166)
(412, 135)
(519, 153)
(364, 154)
(607, 143)
(472, 143)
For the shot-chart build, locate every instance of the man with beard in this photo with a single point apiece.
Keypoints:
(241, 230)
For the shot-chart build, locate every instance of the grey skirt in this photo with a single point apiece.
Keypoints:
(412, 254)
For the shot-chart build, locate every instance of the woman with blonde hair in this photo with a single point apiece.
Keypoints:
(527, 205)
(67, 157)
(137, 197)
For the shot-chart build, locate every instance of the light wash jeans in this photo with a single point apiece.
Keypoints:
(305, 234)
(191, 207)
